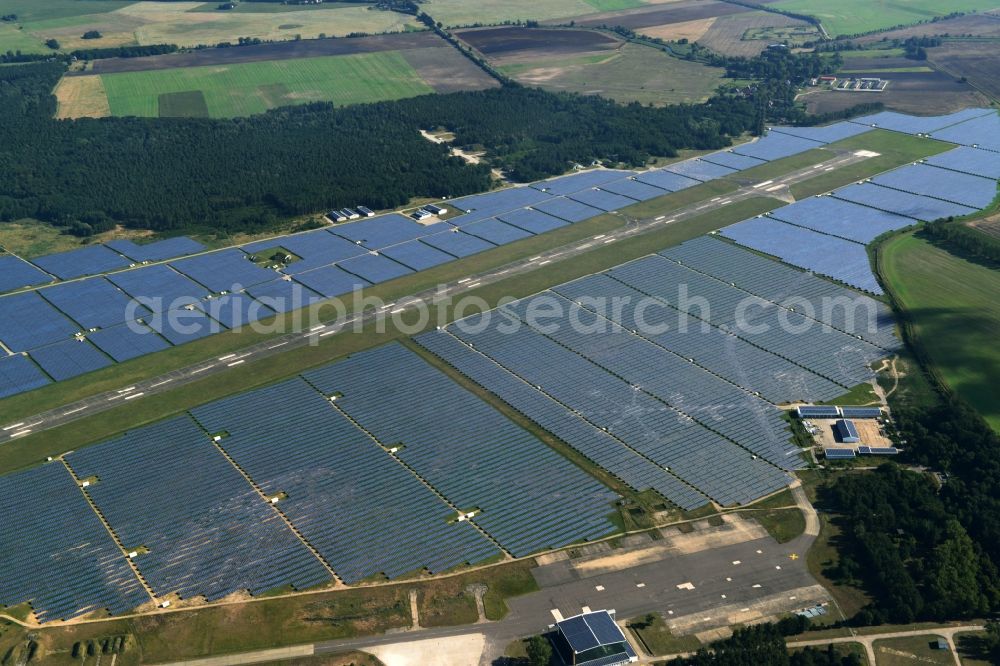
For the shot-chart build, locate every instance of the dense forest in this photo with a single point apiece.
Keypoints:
(245, 173)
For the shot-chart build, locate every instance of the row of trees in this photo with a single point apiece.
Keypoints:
(763, 645)
(965, 239)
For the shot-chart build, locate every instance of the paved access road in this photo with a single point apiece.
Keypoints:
(948, 633)
(634, 227)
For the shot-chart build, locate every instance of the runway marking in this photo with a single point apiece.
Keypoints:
(323, 335)
(207, 367)
(556, 614)
(585, 246)
(549, 261)
(686, 586)
(317, 328)
(777, 566)
(793, 556)
(760, 552)
(599, 588)
(670, 612)
(165, 381)
(126, 390)
(242, 360)
(755, 586)
(16, 425)
(723, 596)
(773, 188)
(134, 395)
(659, 218)
(759, 185)
(610, 240)
(640, 585)
(744, 610)
(280, 344)
(20, 433)
(74, 411)
(729, 580)
(226, 357)
(476, 284)
(737, 562)
(464, 280)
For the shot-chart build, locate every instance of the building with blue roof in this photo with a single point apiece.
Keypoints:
(592, 639)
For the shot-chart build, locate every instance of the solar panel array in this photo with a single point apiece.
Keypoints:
(969, 160)
(94, 303)
(16, 273)
(606, 201)
(919, 124)
(528, 497)
(733, 160)
(54, 552)
(840, 218)
(839, 259)
(343, 490)
(168, 248)
(536, 221)
(774, 146)
(70, 358)
(916, 206)
(826, 134)
(89, 260)
(961, 188)
(223, 270)
(28, 321)
(164, 489)
(700, 169)
(981, 132)
(18, 374)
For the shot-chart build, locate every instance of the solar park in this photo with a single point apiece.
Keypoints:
(379, 465)
(822, 234)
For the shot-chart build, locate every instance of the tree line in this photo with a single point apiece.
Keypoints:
(966, 240)
(763, 645)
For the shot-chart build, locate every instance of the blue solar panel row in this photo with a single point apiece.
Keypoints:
(457, 243)
(733, 160)
(339, 484)
(225, 270)
(161, 250)
(535, 221)
(416, 255)
(89, 260)
(236, 310)
(902, 203)
(666, 180)
(331, 281)
(841, 218)
(976, 161)
(962, 188)
(633, 189)
(838, 454)
(700, 169)
(284, 295)
(919, 124)
(127, 341)
(497, 232)
(315, 248)
(28, 321)
(94, 302)
(18, 374)
(564, 209)
(57, 555)
(598, 446)
(379, 232)
(825, 134)
(214, 537)
(583, 180)
(373, 268)
(182, 326)
(983, 132)
(16, 273)
(833, 257)
(528, 497)
(606, 201)
(775, 146)
(70, 358)
(482, 206)
(160, 287)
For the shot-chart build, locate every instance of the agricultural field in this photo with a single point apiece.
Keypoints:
(906, 651)
(974, 60)
(457, 13)
(191, 23)
(13, 38)
(853, 17)
(969, 25)
(748, 33)
(252, 79)
(594, 63)
(662, 14)
(953, 306)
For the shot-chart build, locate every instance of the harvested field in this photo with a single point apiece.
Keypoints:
(972, 25)
(446, 70)
(281, 51)
(536, 42)
(187, 24)
(749, 33)
(692, 31)
(661, 15)
(921, 93)
(81, 97)
(989, 226)
(977, 61)
(632, 74)
(454, 13)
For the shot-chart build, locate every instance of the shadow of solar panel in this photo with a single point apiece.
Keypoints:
(28, 321)
(225, 270)
(581, 180)
(70, 358)
(775, 146)
(839, 259)
(720, 469)
(529, 498)
(700, 170)
(379, 232)
(416, 255)
(666, 180)
(732, 160)
(236, 310)
(825, 134)
(983, 132)
(919, 124)
(775, 378)
(215, 537)
(961, 188)
(843, 309)
(837, 217)
(374, 268)
(595, 444)
(94, 302)
(181, 326)
(969, 160)
(482, 206)
(159, 287)
(331, 281)
(606, 201)
(17, 375)
(533, 221)
(284, 295)
(128, 341)
(564, 209)
(16, 273)
(497, 232)
(161, 250)
(89, 260)
(457, 243)
(902, 203)
(69, 566)
(339, 484)
(633, 189)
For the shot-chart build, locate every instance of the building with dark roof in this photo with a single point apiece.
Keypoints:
(847, 432)
(592, 639)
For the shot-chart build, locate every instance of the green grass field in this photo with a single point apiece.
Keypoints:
(248, 88)
(910, 650)
(489, 12)
(634, 74)
(955, 315)
(614, 5)
(14, 39)
(851, 17)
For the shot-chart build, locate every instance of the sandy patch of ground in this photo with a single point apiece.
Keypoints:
(454, 651)
(81, 97)
(690, 30)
